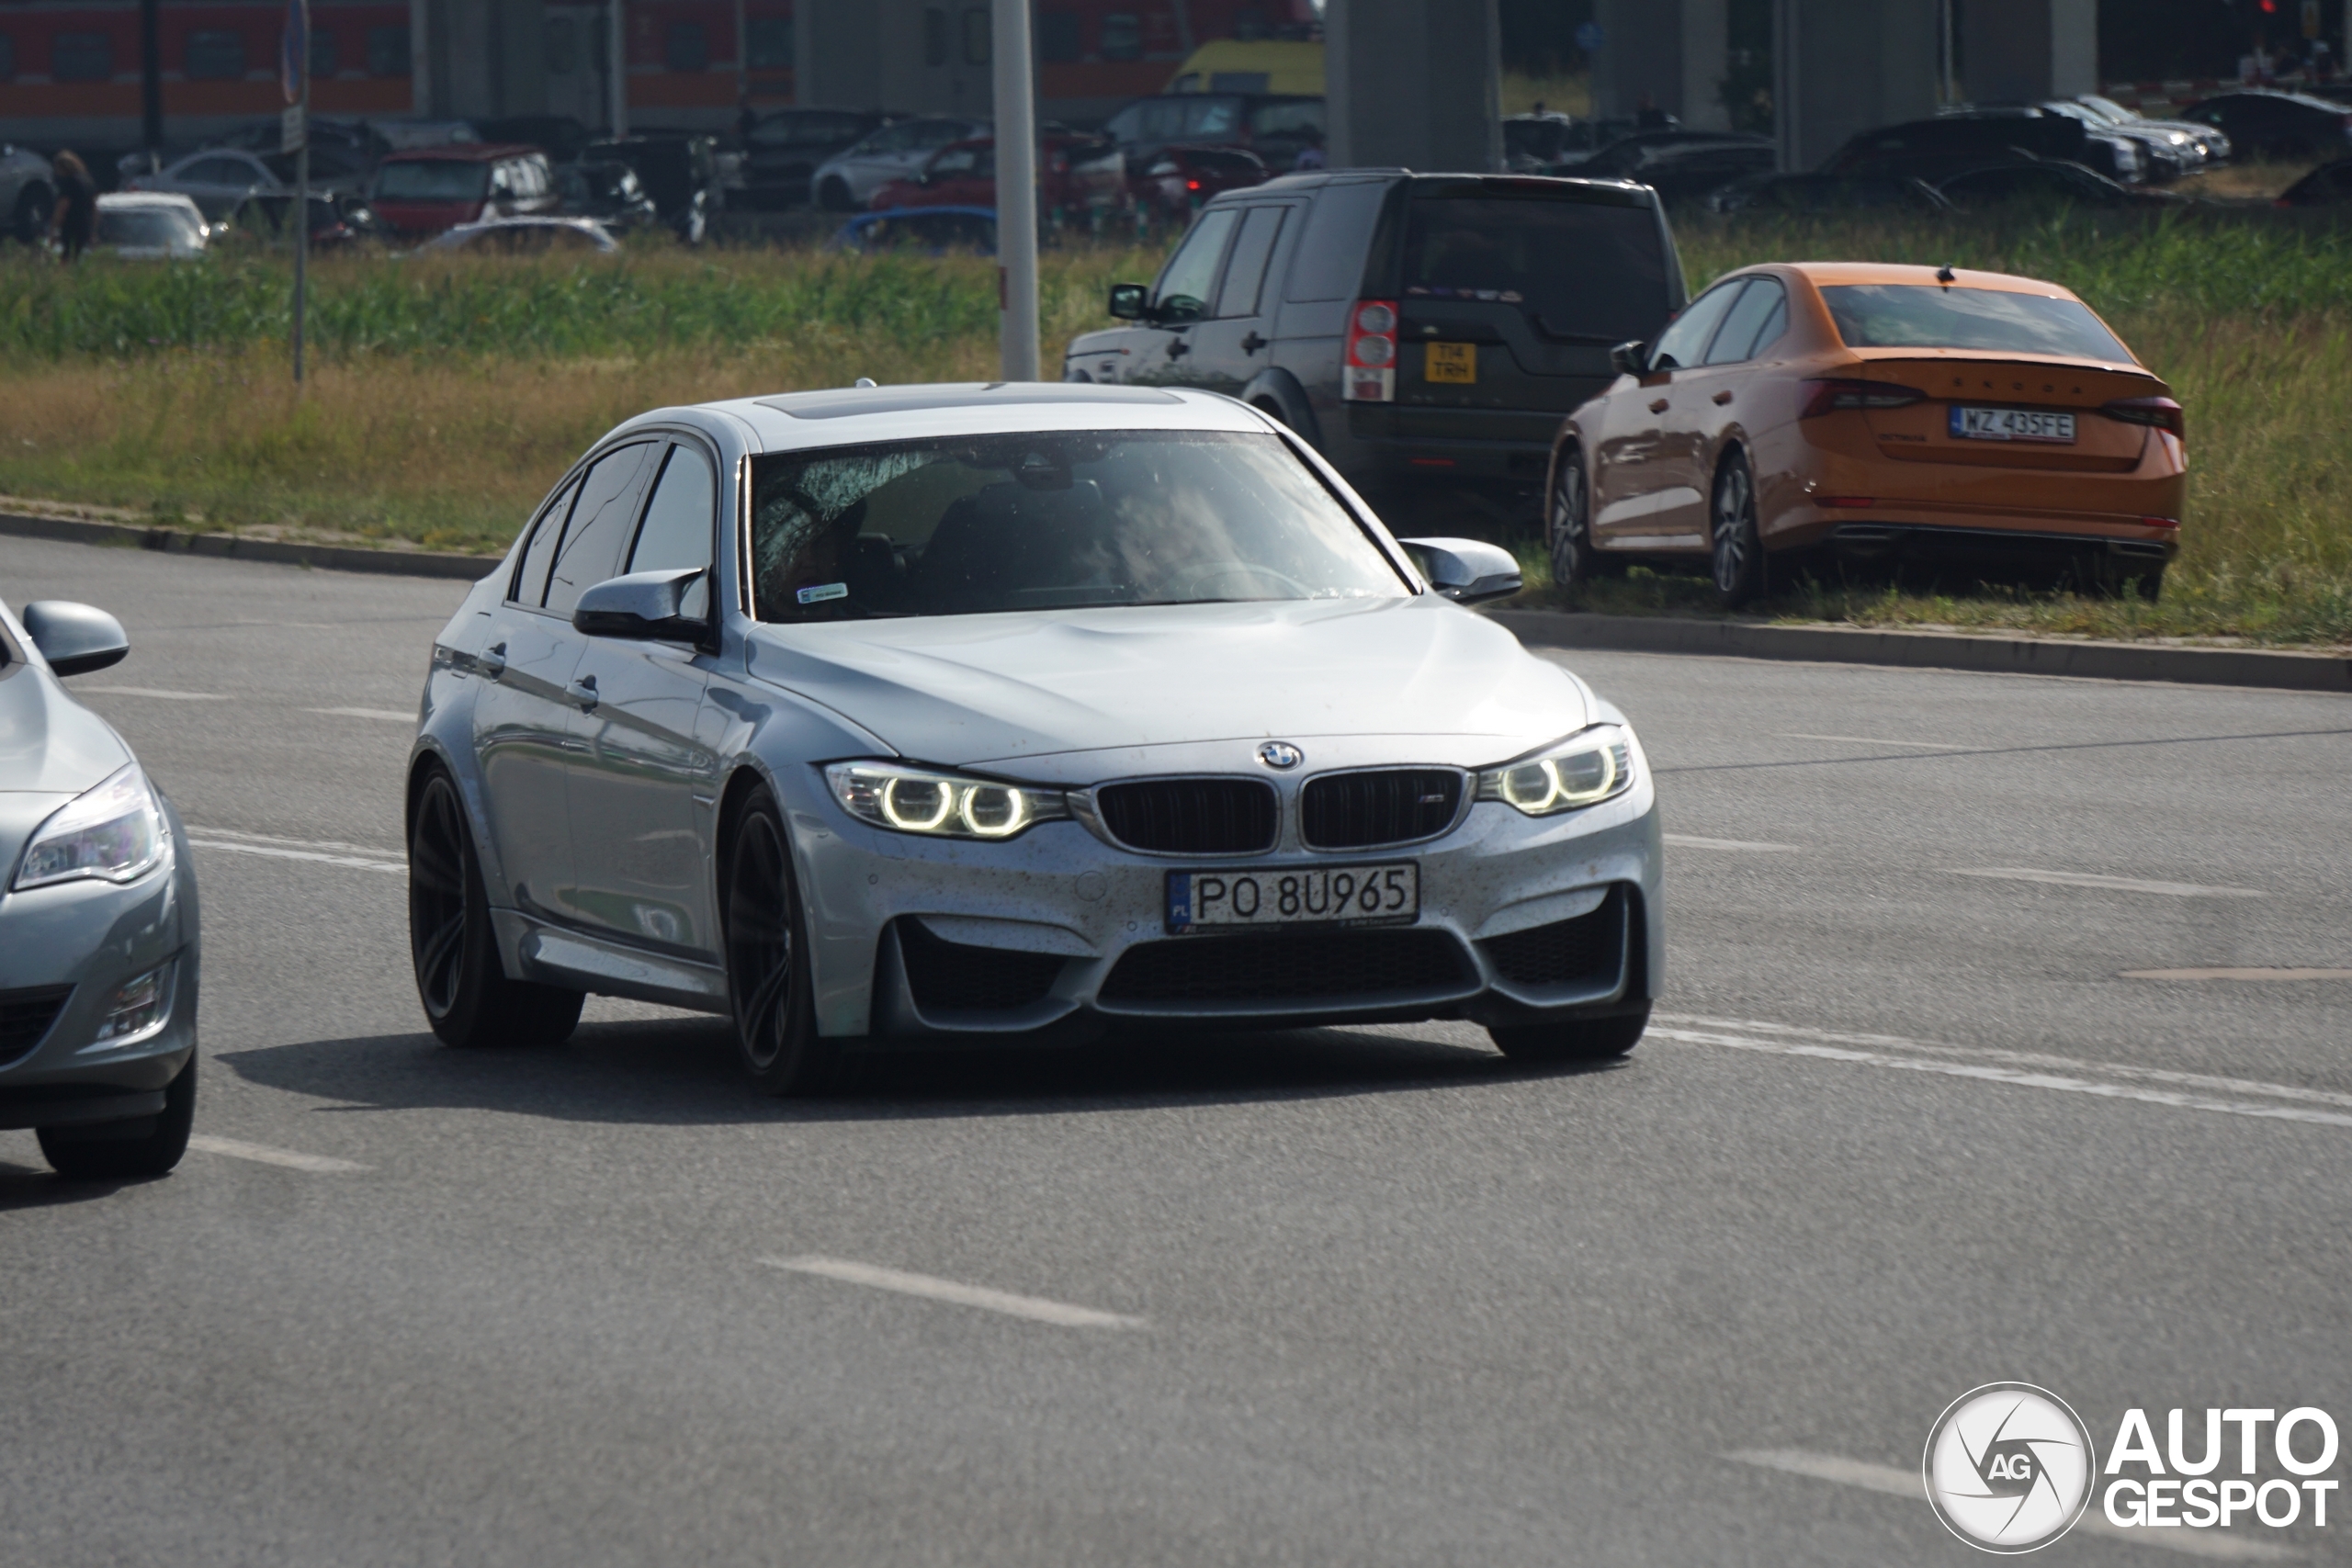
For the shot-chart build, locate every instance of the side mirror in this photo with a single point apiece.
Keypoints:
(1629, 358)
(1129, 301)
(662, 606)
(1468, 572)
(74, 638)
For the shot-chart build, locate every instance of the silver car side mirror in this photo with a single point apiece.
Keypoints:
(1468, 572)
(74, 638)
(663, 605)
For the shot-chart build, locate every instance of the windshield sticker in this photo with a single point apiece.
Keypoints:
(823, 592)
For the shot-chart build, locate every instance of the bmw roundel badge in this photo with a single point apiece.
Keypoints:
(1281, 754)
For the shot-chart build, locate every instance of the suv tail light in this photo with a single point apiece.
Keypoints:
(2162, 413)
(1370, 374)
(1831, 397)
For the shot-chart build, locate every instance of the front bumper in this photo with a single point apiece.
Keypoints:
(84, 940)
(1057, 934)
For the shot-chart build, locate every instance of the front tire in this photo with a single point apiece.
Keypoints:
(468, 999)
(101, 1153)
(1736, 550)
(1581, 1040)
(1568, 525)
(767, 958)
(834, 196)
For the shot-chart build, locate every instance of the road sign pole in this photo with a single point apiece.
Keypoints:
(1017, 192)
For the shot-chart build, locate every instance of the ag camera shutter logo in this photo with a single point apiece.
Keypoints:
(2008, 1467)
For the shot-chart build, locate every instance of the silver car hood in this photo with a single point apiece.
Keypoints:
(51, 749)
(1007, 690)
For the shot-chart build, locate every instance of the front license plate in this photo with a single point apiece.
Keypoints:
(1455, 362)
(2011, 424)
(1318, 896)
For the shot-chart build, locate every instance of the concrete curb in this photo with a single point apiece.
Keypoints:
(333, 557)
(1937, 650)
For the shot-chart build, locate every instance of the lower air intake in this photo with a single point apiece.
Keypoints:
(25, 1015)
(1354, 967)
(953, 976)
(1583, 950)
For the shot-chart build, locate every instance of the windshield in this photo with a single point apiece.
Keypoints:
(148, 227)
(434, 180)
(1925, 315)
(1052, 521)
(1582, 270)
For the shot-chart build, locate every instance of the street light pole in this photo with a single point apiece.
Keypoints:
(1017, 192)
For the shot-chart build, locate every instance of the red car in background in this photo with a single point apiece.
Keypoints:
(1077, 175)
(431, 190)
(1175, 181)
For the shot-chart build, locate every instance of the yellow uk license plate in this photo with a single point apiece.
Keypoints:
(1456, 362)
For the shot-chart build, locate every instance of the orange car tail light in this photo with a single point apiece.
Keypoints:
(1370, 369)
(2161, 412)
(1832, 396)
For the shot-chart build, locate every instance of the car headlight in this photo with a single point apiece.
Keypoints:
(112, 833)
(940, 805)
(1588, 768)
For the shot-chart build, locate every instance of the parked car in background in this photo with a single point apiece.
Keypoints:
(2276, 125)
(1425, 333)
(1682, 166)
(1175, 180)
(1828, 193)
(2326, 185)
(1277, 127)
(1549, 143)
(218, 180)
(100, 938)
(560, 136)
(923, 230)
(2213, 144)
(782, 151)
(28, 191)
(678, 169)
(2154, 155)
(434, 188)
(1935, 150)
(1079, 178)
(151, 226)
(343, 152)
(335, 221)
(1874, 412)
(2049, 182)
(524, 237)
(846, 181)
(607, 191)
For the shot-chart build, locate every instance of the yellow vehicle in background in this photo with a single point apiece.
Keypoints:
(1258, 65)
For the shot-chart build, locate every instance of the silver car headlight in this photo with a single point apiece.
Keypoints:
(1586, 769)
(940, 805)
(114, 832)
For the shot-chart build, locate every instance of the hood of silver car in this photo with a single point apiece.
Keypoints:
(51, 749)
(1000, 689)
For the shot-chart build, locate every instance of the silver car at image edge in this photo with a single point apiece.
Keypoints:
(98, 920)
(926, 716)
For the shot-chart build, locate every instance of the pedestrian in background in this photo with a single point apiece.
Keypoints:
(75, 219)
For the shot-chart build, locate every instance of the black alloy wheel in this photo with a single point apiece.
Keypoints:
(126, 1151)
(767, 958)
(1569, 526)
(1736, 550)
(1583, 1039)
(468, 998)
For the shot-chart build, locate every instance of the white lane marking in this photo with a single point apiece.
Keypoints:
(262, 1154)
(2016, 1076)
(2112, 884)
(1689, 842)
(1033, 1307)
(397, 868)
(241, 836)
(1874, 740)
(387, 714)
(152, 691)
(2237, 973)
(1908, 1483)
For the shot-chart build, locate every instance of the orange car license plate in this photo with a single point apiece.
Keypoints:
(2011, 424)
(1455, 362)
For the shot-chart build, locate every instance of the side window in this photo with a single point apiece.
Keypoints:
(1329, 261)
(676, 532)
(1742, 332)
(1246, 271)
(530, 584)
(1189, 281)
(591, 550)
(1684, 343)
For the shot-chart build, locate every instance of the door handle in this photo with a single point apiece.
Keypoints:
(584, 692)
(1178, 348)
(494, 660)
(1253, 342)
(1722, 397)
(1658, 407)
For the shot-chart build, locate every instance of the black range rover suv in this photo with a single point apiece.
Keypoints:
(1424, 331)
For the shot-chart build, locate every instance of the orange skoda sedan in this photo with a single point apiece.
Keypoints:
(1874, 412)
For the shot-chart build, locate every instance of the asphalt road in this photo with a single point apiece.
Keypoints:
(1361, 1297)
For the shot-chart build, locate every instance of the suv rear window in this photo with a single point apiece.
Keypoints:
(1582, 270)
(1923, 315)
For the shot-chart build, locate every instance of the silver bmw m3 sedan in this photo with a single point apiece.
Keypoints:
(99, 927)
(906, 716)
